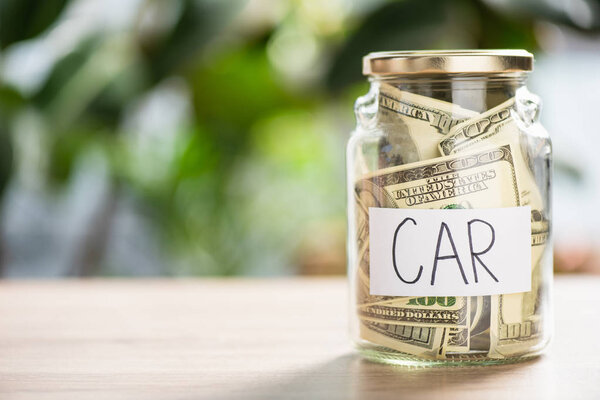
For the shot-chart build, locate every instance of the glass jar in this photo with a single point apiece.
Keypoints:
(449, 170)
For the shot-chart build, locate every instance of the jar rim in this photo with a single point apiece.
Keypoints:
(429, 62)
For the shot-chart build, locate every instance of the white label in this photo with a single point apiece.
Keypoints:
(459, 252)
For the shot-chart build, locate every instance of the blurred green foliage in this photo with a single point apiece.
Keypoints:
(24, 19)
(250, 179)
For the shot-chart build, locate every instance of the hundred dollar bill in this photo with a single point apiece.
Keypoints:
(424, 342)
(516, 324)
(418, 311)
(413, 125)
(485, 178)
(476, 337)
(479, 330)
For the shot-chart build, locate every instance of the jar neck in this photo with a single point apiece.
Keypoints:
(475, 92)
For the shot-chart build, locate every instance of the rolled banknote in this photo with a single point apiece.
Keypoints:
(414, 125)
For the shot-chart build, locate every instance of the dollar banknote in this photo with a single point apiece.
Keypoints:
(420, 341)
(413, 125)
(481, 179)
(418, 311)
(517, 320)
(474, 339)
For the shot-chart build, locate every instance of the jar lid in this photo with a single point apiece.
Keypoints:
(447, 62)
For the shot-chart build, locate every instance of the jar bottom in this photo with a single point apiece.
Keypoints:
(384, 355)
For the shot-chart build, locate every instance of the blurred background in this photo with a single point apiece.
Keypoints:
(207, 137)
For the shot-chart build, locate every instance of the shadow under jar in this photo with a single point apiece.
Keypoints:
(449, 173)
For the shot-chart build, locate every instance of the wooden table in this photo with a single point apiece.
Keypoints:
(252, 339)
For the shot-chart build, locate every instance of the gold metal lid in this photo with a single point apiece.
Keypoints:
(447, 62)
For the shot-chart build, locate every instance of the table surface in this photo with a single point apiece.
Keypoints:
(252, 339)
